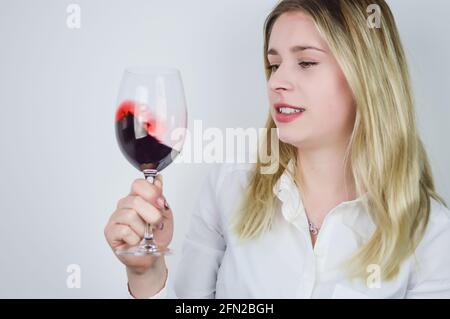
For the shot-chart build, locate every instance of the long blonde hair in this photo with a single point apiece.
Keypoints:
(388, 160)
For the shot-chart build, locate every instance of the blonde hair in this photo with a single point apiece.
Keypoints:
(388, 160)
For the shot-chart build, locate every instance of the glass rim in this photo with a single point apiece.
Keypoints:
(151, 69)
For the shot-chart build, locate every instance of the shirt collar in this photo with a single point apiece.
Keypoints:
(292, 206)
(287, 191)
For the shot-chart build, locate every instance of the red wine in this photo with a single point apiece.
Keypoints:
(136, 130)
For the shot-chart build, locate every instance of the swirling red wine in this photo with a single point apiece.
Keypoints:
(137, 134)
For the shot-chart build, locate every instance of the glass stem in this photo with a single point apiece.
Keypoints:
(150, 175)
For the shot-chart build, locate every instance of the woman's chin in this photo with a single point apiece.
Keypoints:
(294, 141)
(289, 137)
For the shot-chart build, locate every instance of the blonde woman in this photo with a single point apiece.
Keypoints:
(351, 211)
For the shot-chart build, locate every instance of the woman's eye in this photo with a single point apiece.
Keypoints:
(307, 65)
(270, 68)
(304, 65)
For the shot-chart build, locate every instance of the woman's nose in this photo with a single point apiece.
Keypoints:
(280, 80)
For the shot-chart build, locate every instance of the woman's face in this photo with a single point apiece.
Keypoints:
(310, 78)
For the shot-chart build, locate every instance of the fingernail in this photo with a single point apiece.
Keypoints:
(160, 201)
(166, 205)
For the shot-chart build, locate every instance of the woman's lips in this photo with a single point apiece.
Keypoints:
(286, 118)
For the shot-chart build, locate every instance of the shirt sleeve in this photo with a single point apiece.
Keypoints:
(204, 243)
(203, 247)
(430, 277)
(162, 294)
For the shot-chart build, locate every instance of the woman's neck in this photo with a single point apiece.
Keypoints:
(322, 178)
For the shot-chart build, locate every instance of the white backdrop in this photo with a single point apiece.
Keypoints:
(61, 170)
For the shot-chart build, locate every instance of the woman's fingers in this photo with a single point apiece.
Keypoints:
(152, 193)
(118, 234)
(131, 218)
(146, 211)
(159, 182)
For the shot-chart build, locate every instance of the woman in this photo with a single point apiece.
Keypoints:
(350, 212)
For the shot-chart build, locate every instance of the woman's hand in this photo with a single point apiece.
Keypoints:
(144, 204)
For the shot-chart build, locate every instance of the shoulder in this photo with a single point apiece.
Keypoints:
(432, 251)
(438, 228)
(234, 175)
(431, 268)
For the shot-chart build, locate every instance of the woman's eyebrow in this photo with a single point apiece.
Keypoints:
(295, 49)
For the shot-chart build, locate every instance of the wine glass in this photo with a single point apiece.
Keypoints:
(150, 125)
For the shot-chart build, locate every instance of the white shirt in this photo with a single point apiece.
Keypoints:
(283, 263)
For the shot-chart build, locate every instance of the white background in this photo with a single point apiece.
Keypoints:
(61, 170)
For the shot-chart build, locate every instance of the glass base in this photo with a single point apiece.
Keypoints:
(145, 248)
